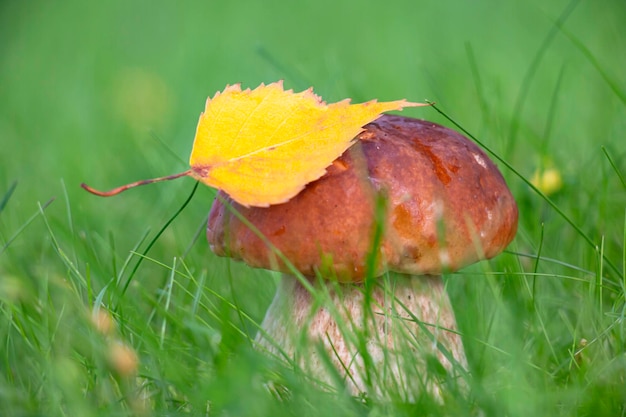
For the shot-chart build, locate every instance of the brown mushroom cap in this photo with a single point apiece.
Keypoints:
(447, 206)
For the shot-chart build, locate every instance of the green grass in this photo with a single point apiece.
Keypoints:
(108, 93)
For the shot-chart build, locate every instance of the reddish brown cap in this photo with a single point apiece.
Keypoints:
(447, 206)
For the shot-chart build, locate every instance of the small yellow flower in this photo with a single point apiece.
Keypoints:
(103, 321)
(123, 359)
(548, 181)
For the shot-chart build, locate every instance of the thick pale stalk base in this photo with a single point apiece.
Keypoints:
(399, 339)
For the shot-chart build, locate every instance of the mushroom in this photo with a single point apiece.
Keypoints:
(445, 205)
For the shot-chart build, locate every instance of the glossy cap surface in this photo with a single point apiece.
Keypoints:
(446, 206)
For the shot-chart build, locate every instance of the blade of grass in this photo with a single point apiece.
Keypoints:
(7, 195)
(207, 289)
(552, 110)
(235, 298)
(532, 70)
(129, 257)
(599, 294)
(612, 162)
(478, 84)
(166, 146)
(536, 266)
(70, 222)
(26, 224)
(112, 248)
(380, 213)
(550, 260)
(593, 61)
(72, 266)
(168, 299)
(289, 71)
(156, 237)
(199, 231)
(197, 296)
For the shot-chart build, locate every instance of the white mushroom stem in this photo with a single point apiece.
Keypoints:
(404, 340)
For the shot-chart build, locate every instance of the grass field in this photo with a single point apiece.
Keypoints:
(109, 92)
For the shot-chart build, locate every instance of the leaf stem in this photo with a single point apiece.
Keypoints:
(117, 190)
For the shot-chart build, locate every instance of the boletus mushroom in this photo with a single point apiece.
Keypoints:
(445, 205)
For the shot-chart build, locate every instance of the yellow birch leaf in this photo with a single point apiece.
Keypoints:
(263, 146)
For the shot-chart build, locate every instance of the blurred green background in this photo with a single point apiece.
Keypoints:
(107, 93)
(110, 92)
